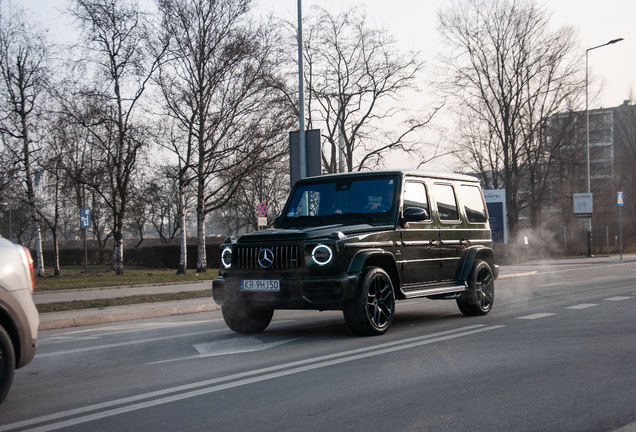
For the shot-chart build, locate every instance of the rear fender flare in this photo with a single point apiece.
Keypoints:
(477, 252)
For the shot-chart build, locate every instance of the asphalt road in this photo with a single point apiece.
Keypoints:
(557, 353)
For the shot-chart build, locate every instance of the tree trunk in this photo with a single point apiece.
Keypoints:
(183, 260)
(118, 246)
(31, 197)
(56, 247)
(202, 265)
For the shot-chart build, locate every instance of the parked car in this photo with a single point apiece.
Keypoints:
(19, 318)
(357, 242)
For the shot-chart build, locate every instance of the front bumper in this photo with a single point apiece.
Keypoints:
(320, 293)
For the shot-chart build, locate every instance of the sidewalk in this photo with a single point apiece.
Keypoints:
(83, 317)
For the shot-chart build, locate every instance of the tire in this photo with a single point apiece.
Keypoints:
(7, 363)
(243, 318)
(371, 312)
(479, 297)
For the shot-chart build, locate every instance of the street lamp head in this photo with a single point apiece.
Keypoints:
(613, 41)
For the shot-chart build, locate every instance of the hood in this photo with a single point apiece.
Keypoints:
(299, 234)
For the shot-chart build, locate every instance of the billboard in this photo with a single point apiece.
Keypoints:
(496, 203)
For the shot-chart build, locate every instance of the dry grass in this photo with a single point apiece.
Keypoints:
(99, 277)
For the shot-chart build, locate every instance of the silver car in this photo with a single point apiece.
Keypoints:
(19, 318)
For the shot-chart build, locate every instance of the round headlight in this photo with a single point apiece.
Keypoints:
(226, 257)
(322, 255)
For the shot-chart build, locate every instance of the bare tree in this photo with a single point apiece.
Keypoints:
(272, 187)
(118, 43)
(509, 71)
(52, 202)
(355, 76)
(221, 90)
(24, 54)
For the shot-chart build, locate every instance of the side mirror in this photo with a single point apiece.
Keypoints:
(415, 214)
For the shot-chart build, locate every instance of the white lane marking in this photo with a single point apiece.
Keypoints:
(552, 284)
(121, 344)
(627, 428)
(536, 316)
(582, 306)
(618, 298)
(64, 339)
(269, 373)
(516, 275)
(131, 328)
(604, 277)
(234, 346)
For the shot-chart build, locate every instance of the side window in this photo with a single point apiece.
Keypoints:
(446, 203)
(473, 204)
(415, 196)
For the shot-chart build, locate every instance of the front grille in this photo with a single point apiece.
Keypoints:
(284, 257)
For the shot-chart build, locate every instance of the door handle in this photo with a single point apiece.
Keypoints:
(434, 242)
(464, 242)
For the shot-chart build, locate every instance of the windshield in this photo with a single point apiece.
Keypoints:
(345, 201)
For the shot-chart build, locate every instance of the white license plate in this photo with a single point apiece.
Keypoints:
(260, 285)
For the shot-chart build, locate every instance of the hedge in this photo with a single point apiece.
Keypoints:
(160, 256)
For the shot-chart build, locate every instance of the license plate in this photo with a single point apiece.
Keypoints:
(260, 285)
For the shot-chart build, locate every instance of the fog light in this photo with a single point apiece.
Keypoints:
(322, 255)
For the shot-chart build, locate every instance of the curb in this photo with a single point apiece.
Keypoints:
(126, 316)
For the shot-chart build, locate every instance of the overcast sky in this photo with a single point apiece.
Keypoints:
(414, 24)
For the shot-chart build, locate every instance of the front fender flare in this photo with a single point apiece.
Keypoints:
(379, 258)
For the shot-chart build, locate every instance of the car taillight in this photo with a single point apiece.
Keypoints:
(30, 264)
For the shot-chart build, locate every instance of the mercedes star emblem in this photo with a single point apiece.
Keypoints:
(266, 258)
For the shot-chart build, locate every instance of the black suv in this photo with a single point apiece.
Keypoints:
(357, 242)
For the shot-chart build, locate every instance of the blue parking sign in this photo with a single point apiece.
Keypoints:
(620, 198)
(85, 218)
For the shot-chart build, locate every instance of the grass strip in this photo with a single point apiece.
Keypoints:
(76, 278)
(121, 301)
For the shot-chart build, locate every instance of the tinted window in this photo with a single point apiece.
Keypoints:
(473, 204)
(415, 196)
(446, 203)
(331, 201)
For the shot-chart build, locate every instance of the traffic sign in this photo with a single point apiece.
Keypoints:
(85, 218)
(620, 198)
(583, 205)
(262, 209)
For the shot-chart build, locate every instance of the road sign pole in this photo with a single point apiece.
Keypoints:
(620, 232)
(620, 201)
(85, 251)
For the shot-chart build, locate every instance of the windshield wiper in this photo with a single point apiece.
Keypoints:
(293, 221)
(366, 216)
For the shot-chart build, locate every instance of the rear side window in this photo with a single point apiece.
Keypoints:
(473, 204)
(446, 203)
(415, 196)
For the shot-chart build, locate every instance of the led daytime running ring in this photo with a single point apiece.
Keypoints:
(224, 253)
(322, 247)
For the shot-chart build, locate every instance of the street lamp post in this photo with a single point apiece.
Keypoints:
(9, 207)
(587, 140)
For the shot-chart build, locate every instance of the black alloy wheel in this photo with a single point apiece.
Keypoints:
(480, 295)
(371, 313)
